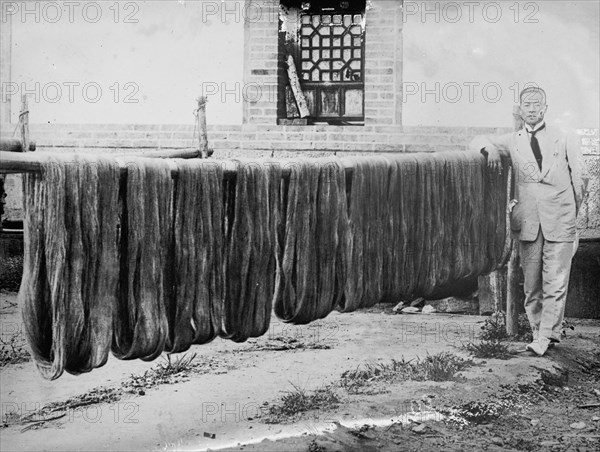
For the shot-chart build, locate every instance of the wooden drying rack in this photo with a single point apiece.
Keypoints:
(15, 158)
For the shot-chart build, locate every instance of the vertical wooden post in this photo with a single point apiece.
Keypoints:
(13, 145)
(2, 196)
(24, 123)
(494, 288)
(513, 290)
(492, 291)
(201, 124)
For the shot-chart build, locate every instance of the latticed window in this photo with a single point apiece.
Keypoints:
(327, 44)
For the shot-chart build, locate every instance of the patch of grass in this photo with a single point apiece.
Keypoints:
(523, 444)
(488, 349)
(359, 432)
(480, 412)
(567, 325)
(10, 418)
(11, 272)
(524, 333)
(313, 446)
(494, 329)
(170, 367)
(440, 367)
(298, 401)
(167, 372)
(49, 411)
(281, 343)
(13, 350)
(96, 395)
(493, 337)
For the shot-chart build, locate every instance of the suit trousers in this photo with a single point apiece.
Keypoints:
(546, 268)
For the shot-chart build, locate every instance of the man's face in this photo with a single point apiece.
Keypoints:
(533, 108)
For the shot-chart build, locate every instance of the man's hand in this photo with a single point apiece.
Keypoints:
(493, 158)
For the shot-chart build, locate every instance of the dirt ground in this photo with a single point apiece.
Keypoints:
(225, 399)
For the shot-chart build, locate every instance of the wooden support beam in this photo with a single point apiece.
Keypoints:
(492, 292)
(15, 145)
(24, 123)
(502, 288)
(26, 163)
(2, 202)
(202, 130)
(513, 289)
(11, 162)
(163, 154)
(493, 286)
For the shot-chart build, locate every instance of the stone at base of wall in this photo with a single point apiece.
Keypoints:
(453, 305)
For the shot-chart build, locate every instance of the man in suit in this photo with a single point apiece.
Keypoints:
(549, 189)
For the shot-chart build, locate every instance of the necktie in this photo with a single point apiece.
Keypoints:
(535, 147)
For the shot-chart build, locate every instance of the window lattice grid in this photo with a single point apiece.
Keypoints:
(331, 47)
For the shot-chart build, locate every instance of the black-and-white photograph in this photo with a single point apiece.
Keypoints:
(304, 226)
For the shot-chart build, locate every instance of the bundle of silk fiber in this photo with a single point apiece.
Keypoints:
(196, 313)
(252, 202)
(430, 171)
(368, 234)
(496, 197)
(397, 274)
(468, 212)
(69, 289)
(405, 240)
(418, 222)
(141, 324)
(311, 271)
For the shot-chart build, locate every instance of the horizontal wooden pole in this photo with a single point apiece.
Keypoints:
(11, 162)
(14, 145)
(162, 154)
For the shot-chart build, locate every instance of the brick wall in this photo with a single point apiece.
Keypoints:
(383, 66)
(590, 211)
(231, 140)
(262, 139)
(383, 63)
(260, 63)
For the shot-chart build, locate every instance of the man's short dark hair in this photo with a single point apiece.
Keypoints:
(531, 90)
